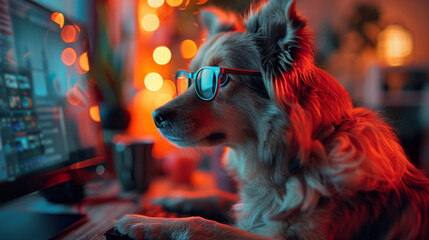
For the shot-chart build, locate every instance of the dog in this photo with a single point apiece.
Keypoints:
(308, 163)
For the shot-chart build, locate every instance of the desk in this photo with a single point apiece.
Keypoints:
(102, 216)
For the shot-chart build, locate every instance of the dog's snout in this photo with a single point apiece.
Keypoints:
(160, 117)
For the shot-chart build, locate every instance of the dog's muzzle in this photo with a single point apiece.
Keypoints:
(162, 117)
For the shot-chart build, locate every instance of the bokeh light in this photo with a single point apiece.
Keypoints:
(58, 18)
(68, 56)
(94, 112)
(155, 3)
(174, 3)
(83, 61)
(69, 34)
(188, 49)
(150, 22)
(73, 97)
(153, 81)
(162, 55)
(394, 45)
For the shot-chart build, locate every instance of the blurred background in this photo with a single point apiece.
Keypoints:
(376, 49)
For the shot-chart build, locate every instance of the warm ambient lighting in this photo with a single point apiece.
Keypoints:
(169, 87)
(153, 81)
(155, 3)
(162, 55)
(68, 56)
(201, 2)
(174, 3)
(94, 112)
(162, 99)
(83, 61)
(58, 18)
(150, 22)
(188, 49)
(69, 34)
(394, 45)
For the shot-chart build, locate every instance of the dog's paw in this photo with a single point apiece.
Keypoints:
(142, 227)
(135, 226)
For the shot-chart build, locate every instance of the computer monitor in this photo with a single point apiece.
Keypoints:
(46, 129)
(45, 98)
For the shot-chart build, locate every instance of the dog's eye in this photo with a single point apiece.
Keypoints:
(224, 79)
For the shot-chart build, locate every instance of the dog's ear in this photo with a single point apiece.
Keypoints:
(216, 21)
(281, 37)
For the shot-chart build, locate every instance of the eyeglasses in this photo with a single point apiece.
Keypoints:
(208, 80)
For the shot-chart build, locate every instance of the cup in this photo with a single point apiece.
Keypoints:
(133, 162)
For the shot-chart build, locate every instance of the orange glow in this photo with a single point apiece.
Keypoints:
(162, 99)
(83, 61)
(58, 18)
(144, 101)
(153, 81)
(184, 5)
(68, 56)
(150, 22)
(69, 34)
(94, 112)
(162, 55)
(169, 87)
(201, 2)
(73, 97)
(174, 3)
(155, 3)
(188, 49)
(26, 55)
(394, 45)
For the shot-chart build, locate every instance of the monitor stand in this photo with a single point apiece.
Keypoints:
(19, 225)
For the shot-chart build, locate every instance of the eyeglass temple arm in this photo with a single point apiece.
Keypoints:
(241, 71)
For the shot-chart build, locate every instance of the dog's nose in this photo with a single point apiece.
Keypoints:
(160, 117)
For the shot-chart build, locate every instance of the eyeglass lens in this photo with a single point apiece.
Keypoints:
(182, 83)
(206, 83)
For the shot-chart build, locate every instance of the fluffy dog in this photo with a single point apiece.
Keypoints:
(309, 164)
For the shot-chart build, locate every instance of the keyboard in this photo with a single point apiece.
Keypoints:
(147, 210)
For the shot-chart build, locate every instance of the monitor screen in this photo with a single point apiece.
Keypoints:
(45, 99)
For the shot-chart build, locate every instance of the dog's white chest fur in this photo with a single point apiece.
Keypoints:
(261, 203)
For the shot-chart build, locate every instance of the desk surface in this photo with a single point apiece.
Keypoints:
(102, 216)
